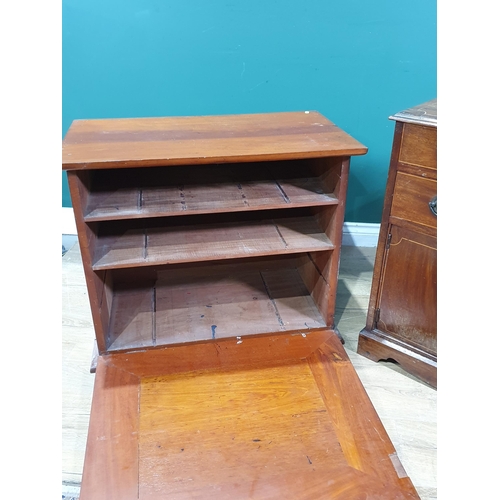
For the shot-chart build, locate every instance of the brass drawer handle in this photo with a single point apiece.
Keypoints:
(433, 205)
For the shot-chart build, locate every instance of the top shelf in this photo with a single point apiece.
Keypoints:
(142, 142)
(160, 192)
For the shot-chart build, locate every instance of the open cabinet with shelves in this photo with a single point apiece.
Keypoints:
(184, 199)
(195, 189)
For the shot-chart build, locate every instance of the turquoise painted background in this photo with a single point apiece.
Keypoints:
(356, 62)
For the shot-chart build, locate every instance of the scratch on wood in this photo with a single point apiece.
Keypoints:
(217, 348)
(243, 195)
(308, 459)
(145, 249)
(183, 197)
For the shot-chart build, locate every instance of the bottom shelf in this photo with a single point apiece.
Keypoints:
(202, 303)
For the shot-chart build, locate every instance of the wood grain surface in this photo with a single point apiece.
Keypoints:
(419, 145)
(189, 305)
(132, 142)
(292, 427)
(156, 245)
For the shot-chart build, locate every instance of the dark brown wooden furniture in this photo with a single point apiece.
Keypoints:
(401, 321)
(210, 247)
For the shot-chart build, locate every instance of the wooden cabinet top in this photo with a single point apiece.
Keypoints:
(141, 142)
(423, 114)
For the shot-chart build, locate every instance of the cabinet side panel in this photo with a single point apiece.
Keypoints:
(331, 221)
(86, 237)
(314, 270)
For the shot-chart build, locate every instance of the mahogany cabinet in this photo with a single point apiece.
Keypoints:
(402, 316)
(210, 247)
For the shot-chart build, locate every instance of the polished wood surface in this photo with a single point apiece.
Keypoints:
(406, 407)
(411, 200)
(401, 323)
(111, 143)
(166, 199)
(286, 417)
(408, 297)
(419, 146)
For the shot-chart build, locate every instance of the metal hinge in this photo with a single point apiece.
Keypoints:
(376, 318)
(388, 242)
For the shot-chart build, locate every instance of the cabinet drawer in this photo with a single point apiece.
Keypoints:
(411, 199)
(418, 146)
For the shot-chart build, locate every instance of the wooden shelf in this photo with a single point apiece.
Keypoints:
(161, 192)
(195, 304)
(202, 242)
(155, 194)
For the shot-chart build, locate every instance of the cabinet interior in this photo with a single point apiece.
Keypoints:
(195, 189)
(195, 252)
(174, 304)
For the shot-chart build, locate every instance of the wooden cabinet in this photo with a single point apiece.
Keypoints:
(401, 321)
(210, 247)
(194, 228)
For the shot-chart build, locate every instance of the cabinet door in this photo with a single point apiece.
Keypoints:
(408, 295)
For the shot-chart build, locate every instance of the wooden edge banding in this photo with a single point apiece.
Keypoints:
(111, 467)
(86, 242)
(359, 429)
(227, 353)
(197, 160)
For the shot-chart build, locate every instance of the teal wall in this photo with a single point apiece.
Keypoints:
(356, 62)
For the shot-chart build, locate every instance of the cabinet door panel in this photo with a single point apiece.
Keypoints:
(407, 299)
